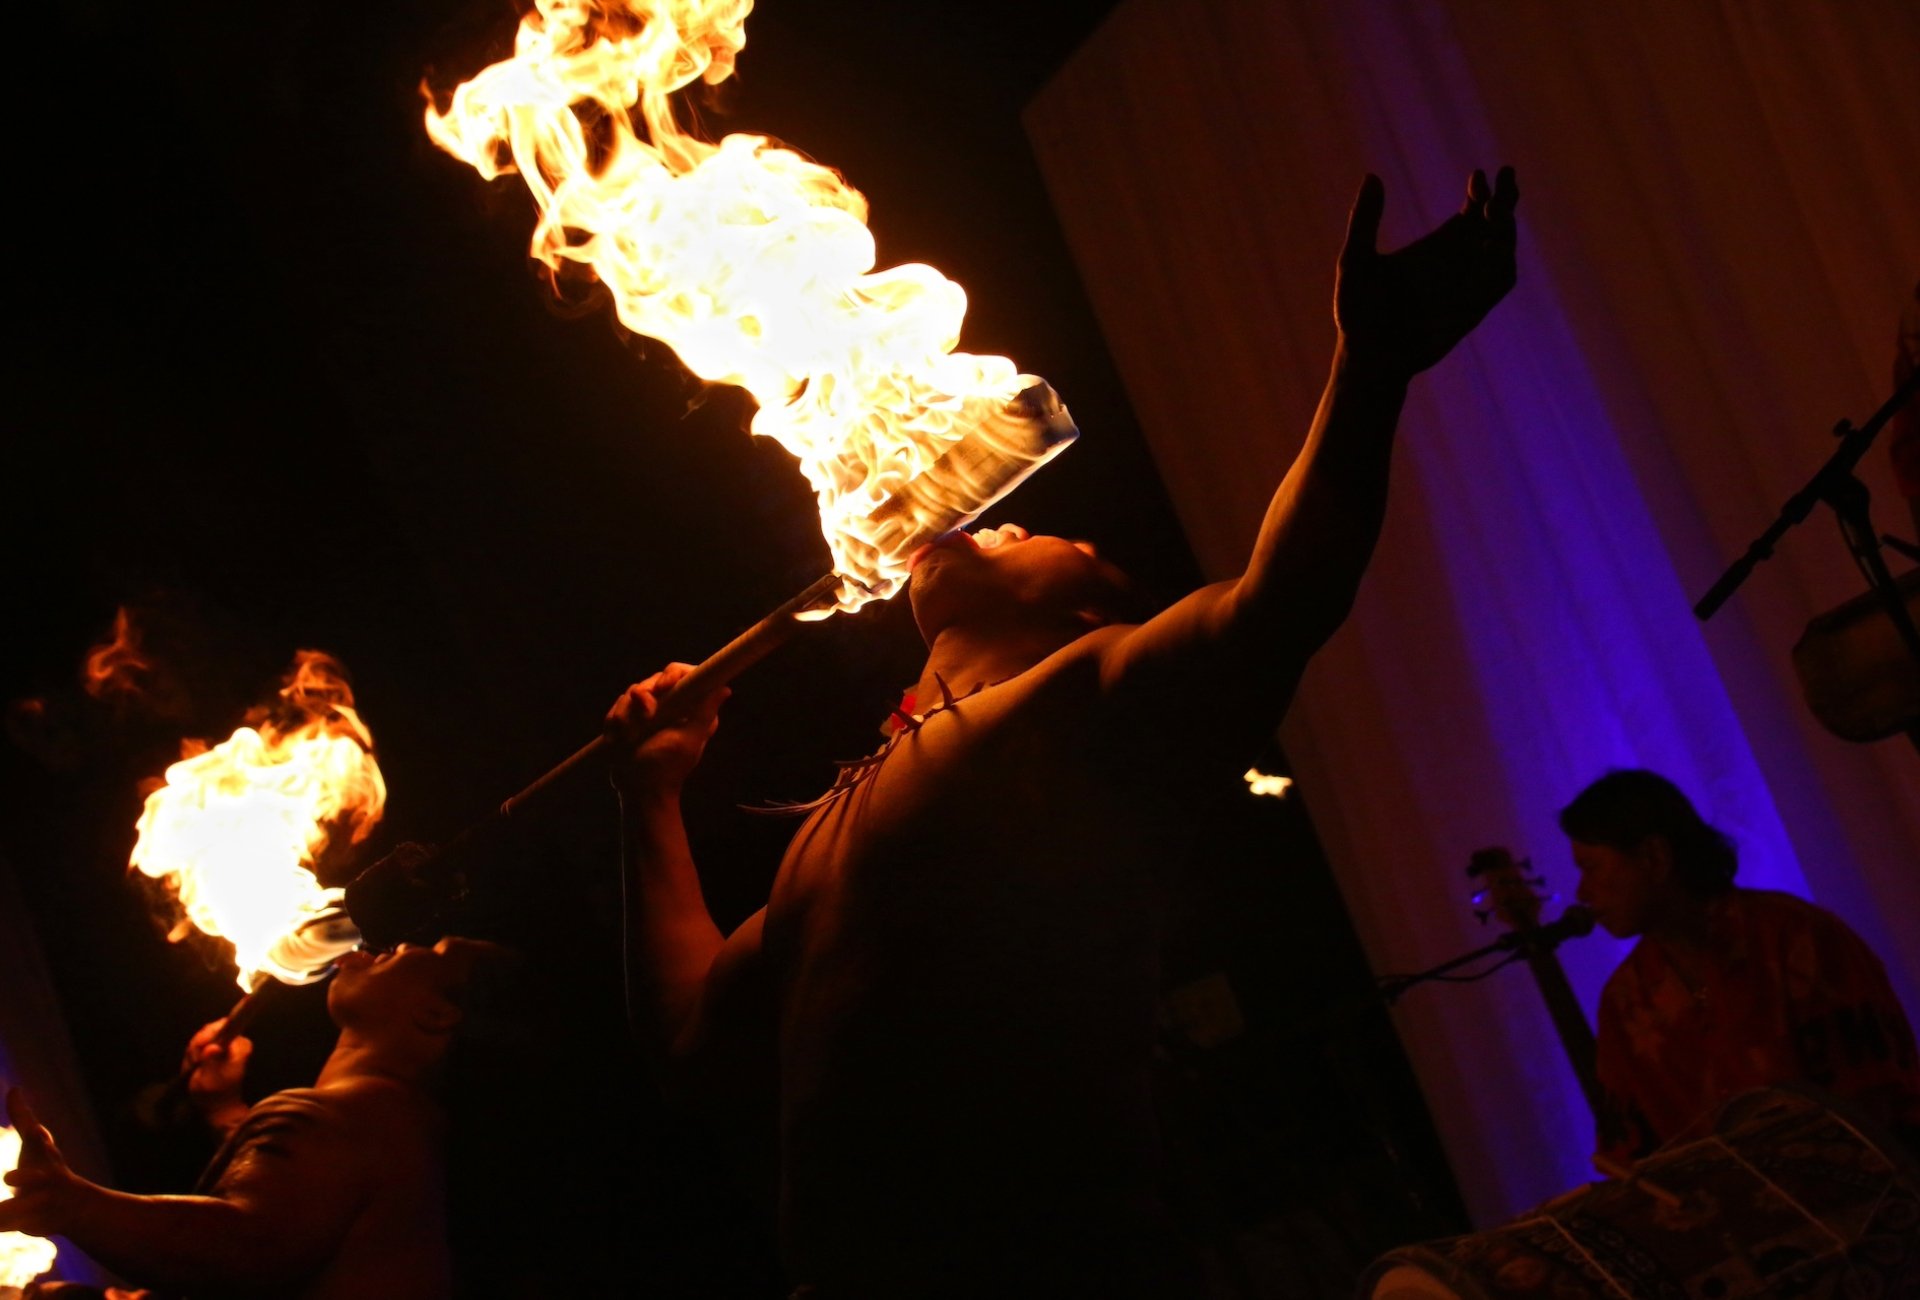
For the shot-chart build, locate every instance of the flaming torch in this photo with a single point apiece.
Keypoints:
(22, 1258)
(756, 266)
(236, 830)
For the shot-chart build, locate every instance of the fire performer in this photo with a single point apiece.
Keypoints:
(957, 961)
(333, 1190)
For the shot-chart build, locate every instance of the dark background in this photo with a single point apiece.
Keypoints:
(285, 377)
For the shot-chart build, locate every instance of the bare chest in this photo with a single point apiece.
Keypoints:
(996, 807)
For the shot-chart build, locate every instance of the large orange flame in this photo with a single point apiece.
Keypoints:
(236, 829)
(22, 1258)
(751, 262)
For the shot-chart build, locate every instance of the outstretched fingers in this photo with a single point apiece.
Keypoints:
(1506, 196)
(20, 1114)
(1494, 202)
(1363, 222)
(1478, 193)
(40, 1173)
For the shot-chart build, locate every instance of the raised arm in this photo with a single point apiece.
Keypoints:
(264, 1231)
(679, 966)
(1397, 314)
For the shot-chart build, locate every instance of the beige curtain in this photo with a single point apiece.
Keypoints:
(1720, 223)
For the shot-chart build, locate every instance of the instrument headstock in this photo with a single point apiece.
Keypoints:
(1509, 888)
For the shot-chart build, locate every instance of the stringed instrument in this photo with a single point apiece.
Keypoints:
(1511, 893)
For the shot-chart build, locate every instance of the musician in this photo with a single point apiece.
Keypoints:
(957, 966)
(1728, 989)
(330, 1191)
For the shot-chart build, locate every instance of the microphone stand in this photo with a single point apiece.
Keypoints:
(1835, 484)
(1516, 943)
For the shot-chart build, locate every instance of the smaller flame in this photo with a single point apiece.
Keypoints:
(1259, 782)
(117, 670)
(236, 829)
(22, 1258)
(123, 673)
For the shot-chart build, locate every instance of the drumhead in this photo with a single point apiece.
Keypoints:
(1416, 1273)
(1789, 1195)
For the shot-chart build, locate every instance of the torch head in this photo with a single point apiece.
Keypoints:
(407, 895)
(236, 831)
(1004, 442)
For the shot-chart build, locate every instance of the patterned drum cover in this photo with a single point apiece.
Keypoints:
(1790, 1197)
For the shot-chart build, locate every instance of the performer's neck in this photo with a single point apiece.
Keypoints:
(967, 657)
(357, 1056)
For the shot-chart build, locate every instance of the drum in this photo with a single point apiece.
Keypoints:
(1790, 1196)
(1855, 670)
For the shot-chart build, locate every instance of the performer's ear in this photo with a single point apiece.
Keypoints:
(436, 1016)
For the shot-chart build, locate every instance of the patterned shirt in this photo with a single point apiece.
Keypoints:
(1789, 995)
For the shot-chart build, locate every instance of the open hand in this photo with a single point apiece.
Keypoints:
(215, 1072)
(47, 1196)
(1405, 310)
(646, 757)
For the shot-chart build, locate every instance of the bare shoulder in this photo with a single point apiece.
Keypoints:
(377, 1110)
(288, 1112)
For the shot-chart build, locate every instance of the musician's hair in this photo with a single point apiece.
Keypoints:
(1624, 807)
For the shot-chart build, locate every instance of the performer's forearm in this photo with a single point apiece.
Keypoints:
(1260, 629)
(672, 940)
(181, 1243)
(1320, 530)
